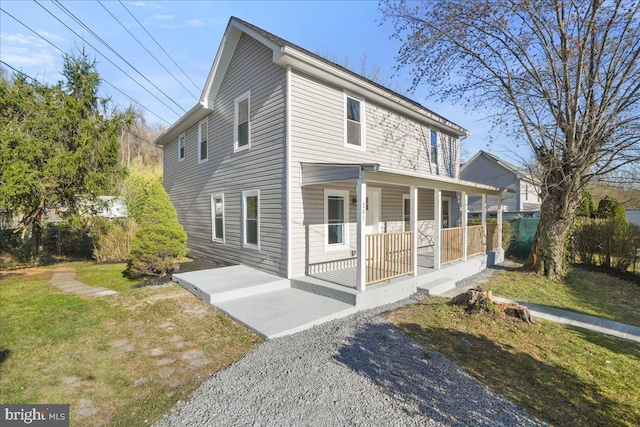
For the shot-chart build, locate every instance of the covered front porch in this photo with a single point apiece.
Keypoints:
(395, 225)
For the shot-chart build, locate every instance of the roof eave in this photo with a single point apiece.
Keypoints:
(196, 113)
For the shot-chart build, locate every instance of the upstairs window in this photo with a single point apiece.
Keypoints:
(203, 135)
(181, 149)
(241, 135)
(354, 122)
(217, 218)
(434, 147)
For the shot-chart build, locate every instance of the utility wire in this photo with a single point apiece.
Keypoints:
(107, 58)
(166, 53)
(147, 50)
(64, 53)
(83, 25)
(20, 72)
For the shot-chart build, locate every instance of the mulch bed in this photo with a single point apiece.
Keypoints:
(196, 264)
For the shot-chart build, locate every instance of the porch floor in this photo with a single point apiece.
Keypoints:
(347, 276)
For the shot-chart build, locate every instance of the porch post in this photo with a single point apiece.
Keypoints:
(484, 223)
(437, 226)
(361, 275)
(413, 195)
(499, 226)
(465, 214)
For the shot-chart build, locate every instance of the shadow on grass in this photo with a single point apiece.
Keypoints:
(427, 384)
(4, 355)
(611, 343)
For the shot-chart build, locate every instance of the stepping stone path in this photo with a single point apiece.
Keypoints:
(65, 280)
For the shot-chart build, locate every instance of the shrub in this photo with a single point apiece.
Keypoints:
(586, 209)
(160, 240)
(112, 239)
(68, 239)
(136, 191)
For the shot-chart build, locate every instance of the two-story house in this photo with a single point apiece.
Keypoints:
(298, 167)
(521, 195)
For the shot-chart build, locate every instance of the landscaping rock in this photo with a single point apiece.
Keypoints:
(141, 381)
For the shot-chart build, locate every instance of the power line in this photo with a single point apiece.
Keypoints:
(107, 58)
(97, 37)
(20, 72)
(166, 53)
(64, 53)
(147, 50)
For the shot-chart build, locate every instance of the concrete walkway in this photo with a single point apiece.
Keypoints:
(584, 321)
(65, 280)
(566, 317)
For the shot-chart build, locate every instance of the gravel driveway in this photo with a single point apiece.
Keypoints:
(356, 371)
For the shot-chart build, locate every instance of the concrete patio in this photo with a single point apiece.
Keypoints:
(273, 306)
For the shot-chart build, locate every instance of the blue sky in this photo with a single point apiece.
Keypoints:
(191, 32)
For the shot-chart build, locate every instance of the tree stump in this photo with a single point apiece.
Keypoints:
(479, 301)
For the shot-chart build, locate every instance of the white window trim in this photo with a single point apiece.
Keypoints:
(431, 147)
(215, 238)
(181, 141)
(363, 122)
(200, 160)
(246, 194)
(236, 103)
(405, 197)
(345, 228)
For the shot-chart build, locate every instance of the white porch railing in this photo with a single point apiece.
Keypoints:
(389, 255)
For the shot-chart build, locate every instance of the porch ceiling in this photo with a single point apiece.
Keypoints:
(320, 173)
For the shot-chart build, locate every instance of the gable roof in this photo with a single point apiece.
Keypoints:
(286, 54)
(521, 173)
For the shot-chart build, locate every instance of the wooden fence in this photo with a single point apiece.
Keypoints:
(450, 244)
(475, 235)
(389, 255)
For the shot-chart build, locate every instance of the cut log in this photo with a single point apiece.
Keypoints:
(479, 301)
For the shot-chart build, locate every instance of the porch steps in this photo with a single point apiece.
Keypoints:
(229, 283)
(437, 286)
(325, 289)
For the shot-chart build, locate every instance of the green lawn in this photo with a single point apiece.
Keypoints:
(62, 348)
(583, 291)
(562, 375)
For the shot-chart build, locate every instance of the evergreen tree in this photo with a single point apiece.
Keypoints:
(585, 209)
(58, 144)
(160, 240)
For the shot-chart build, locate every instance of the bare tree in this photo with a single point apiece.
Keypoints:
(562, 76)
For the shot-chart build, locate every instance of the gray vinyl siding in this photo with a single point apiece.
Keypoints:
(394, 141)
(486, 171)
(261, 167)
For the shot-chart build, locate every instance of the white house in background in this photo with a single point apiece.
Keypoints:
(522, 191)
(298, 167)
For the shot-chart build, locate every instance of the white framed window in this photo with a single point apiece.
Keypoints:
(434, 147)
(354, 122)
(406, 212)
(203, 140)
(217, 217)
(181, 147)
(242, 122)
(251, 219)
(336, 219)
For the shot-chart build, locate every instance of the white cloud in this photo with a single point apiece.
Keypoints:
(159, 17)
(32, 55)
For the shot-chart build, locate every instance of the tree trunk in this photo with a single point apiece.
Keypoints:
(36, 237)
(557, 213)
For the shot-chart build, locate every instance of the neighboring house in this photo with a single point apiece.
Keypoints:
(522, 195)
(290, 164)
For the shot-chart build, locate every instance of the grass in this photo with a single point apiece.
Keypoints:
(583, 291)
(564, 376)
(61, 348)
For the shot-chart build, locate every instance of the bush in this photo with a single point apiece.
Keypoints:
(136, 191)
(112, 239)
(10, 240)
(160, 240)
(68, 239)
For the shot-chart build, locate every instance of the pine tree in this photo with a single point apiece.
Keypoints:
(160, 241)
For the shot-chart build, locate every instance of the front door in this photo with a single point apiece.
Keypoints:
(372, 224)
